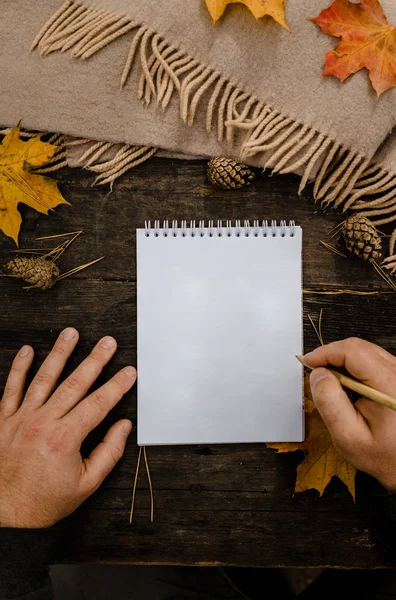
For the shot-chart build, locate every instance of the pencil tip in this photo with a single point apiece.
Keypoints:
(300, 358)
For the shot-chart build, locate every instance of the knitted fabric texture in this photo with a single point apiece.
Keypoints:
(147, 75)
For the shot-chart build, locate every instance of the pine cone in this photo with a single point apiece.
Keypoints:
(39, 272)
(362, 238)
(227, 173)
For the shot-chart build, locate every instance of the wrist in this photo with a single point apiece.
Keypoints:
(8, 521)
(389, 483)
(7, 518)
(390, 488)
(14, 516)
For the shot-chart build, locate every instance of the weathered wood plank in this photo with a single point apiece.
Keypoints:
(231, 504)
(201, 498)
(239, 538)
(98, 308)
(163, 189)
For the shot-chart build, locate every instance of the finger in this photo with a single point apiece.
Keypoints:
(76, 386)
(387, 356)
(48, 374)
(14, 388)
(93, 409)
(345, 424)
(362, 360)
(365, 407)
(105, 456)
(375, 414)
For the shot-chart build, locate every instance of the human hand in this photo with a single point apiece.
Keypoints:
(43, 477)
(363, 432)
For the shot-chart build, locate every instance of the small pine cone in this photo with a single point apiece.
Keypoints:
(362, 238)
(39, 272)
(227, 173)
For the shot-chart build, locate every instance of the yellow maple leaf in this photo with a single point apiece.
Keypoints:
(18, 184)
(321, 461)
(259, 8)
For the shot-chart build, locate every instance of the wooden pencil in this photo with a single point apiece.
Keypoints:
(360, 388)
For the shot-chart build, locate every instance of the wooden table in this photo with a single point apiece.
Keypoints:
(213, 505)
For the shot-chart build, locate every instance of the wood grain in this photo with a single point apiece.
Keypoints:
(217, 504)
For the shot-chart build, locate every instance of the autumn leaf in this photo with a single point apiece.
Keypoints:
(368, 41)
(18, 184)
(322, 461)
(259, 8)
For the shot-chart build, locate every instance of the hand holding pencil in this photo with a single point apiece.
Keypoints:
(364, 432)
(361, 388)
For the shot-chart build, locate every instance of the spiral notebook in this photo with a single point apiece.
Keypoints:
(219, 325)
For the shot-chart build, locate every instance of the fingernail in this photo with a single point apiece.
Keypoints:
(24, 351)
(316, 376)
(69, 333)
(130, 371)
(127, 428)
(108, 342)
(307, 355)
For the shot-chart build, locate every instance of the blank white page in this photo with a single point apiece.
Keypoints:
(219, 325)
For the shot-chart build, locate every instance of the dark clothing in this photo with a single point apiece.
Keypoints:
(25, 556)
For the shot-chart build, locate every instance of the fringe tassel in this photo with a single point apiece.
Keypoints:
(94, 152)
(283, 144)
(55, 138)
(392, 242)
(369, 177)
(317, 149)
(59, 159)
(124, 159)
(132, 159)
(390, 262)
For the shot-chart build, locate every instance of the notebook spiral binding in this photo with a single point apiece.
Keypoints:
(228, 230)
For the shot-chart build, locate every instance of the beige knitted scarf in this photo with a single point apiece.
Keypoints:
(137, 75)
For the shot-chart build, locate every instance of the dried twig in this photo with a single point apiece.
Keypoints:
(336, 230)
(332, 249)
(51, 237)
(80, 268)
(339, 292)
(135, 485)
(150, 485)
(142, 448)
(384, 276)
(320, 326)
(64, 246)
(318, 331)
(19, 181)
(41, 271)
(34, 250)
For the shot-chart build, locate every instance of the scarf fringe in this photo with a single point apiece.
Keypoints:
(59, 159)
(344, 177)
(124, 159)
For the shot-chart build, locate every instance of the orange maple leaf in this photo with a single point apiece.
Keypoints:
(322, 461)
(368, 41)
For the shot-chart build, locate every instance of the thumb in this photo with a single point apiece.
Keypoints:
(106, 455)
(335, 408)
